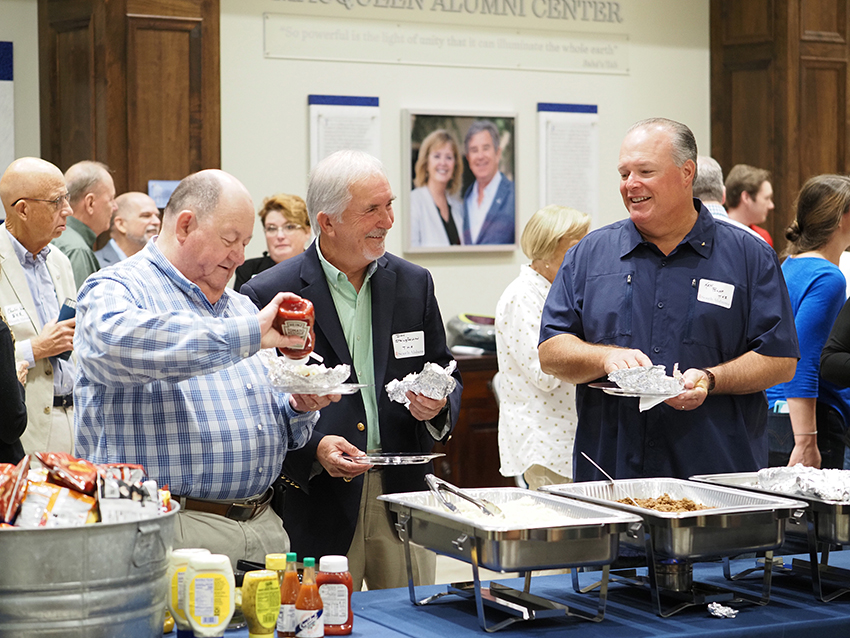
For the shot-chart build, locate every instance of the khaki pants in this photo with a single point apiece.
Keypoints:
(376, 554)
(250, 540)
(537, 476)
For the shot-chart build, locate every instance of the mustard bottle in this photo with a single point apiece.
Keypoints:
(176, 601)
(261, 602)
(210, 594)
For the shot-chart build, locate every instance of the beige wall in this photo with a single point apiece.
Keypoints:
(265, 137)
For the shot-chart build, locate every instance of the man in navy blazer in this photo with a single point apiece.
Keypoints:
(378, 314)
(489, 203)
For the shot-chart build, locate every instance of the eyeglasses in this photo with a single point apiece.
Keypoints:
(288, 229)
(56, 202)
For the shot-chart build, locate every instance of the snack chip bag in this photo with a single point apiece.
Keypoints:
(78, 474)
(48, 505)
(13, 485)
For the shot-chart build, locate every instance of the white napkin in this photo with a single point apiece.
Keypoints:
(647, 403)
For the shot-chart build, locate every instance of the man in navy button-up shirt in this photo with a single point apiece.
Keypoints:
(669, 285)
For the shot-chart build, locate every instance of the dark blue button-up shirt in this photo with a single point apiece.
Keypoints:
(718, 295)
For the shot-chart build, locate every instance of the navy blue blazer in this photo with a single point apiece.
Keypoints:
(499, 225)
(320, 513)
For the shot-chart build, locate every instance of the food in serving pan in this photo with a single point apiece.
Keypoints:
(829, 485)
(665, 503)
(525, 510)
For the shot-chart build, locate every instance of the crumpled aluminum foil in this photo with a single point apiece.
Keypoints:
(298, 378)
(828, 485)
(721, 611)
(434, 382)
(648, 380)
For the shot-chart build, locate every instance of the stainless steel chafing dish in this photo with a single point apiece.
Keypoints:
(827, 522)
(738, 522)
(584, 535)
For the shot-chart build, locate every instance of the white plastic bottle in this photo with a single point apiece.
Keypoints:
(210, 594)
(176, 601)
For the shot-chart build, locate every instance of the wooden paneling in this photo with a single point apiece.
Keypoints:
(823, 118)
(824, 20)
(747, 22)
(751, 91)
(132, 83)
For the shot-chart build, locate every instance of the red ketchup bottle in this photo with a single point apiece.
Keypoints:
(335, 586)
(295, 317)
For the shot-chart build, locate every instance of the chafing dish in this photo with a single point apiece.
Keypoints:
(827, 522)
(582, 534)
(738, 522)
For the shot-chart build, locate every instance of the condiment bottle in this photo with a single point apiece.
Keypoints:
(295, 317)
(277, 563)
(308, 607)
(335, 587)
(237, 621)
(176, 602)
(288, 597)
(261, 602)
(210, 594)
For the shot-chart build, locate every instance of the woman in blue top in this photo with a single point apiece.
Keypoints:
(808, 415)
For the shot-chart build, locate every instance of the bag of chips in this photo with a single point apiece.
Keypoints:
(13, 484)
(78, 474)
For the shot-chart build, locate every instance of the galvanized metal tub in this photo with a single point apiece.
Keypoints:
(97, 581)
(590, 538)
(739, 521)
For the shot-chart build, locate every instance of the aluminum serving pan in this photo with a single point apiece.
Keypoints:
(589, 537)
(739, 521)
(832, 517)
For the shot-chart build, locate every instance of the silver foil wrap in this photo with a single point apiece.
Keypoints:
(434, 382)
(721, 611)
(827, 485)
(299, 378)
(648, 380)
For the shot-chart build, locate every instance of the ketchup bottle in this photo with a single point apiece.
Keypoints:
(295, 317)
(308, 607)
(288, 597)
(335, 587)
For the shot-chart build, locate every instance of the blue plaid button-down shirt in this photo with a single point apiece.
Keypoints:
(170, 381)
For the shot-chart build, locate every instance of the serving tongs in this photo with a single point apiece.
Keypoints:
(610, 480)
(438, 486)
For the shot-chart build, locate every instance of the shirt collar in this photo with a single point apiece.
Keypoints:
(82, 230)
(24, 256)
(153, 254)
(700, 237)
(334, 275)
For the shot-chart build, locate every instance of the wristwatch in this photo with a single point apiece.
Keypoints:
(711, 380)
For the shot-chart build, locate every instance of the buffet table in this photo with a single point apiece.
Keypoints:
(793, 611)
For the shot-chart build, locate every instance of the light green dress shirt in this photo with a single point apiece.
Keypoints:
(355, 316)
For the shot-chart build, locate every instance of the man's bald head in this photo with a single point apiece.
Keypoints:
(135, 221)
(27, 177)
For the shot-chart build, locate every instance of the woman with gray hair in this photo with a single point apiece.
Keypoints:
(537, 417)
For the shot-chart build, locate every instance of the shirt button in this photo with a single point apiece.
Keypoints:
(651, 444)
(47, 410)
(249, 386)
(260, 470)
(663, 263)
(660, 304)
(245, 355)
(361, 427)
(656, 349)
(260, 427)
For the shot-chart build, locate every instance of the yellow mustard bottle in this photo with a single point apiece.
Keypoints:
(176, 574)
(210, 594)
(261, 602)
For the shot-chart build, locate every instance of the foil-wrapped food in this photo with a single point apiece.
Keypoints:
(434, 382)
(649, 380)
(299, 378)
(827, 485)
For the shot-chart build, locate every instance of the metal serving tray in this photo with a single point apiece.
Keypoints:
(832, 518)
(504, 545)
(739, 521)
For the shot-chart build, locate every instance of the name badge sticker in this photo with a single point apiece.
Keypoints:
(716, 293)
(409, 344)
(15, 314)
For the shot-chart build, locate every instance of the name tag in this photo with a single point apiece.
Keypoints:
(409, 344)
(716, 293)
(15, 314)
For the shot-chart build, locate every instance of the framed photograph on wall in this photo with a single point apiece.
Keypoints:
(459, 189)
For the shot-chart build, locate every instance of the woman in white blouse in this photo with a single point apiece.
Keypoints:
(436, 212)
(537, 413)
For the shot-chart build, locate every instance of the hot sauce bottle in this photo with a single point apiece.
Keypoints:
(288, 597)
(335, 587)
(295, 318)
(308, 607)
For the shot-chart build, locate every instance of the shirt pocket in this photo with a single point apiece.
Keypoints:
(608, 301)
(713, 326)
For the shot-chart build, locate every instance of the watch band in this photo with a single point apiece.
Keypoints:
(711, 380)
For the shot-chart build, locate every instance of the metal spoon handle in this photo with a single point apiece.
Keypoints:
(608, 476)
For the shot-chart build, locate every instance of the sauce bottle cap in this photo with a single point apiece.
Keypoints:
(309, 562)
(333, 564)
(275, 561)
(292, 557)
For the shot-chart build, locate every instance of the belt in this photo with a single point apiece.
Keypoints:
(235, 511)
(65, 401)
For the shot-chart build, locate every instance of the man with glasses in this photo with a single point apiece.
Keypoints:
(35, 279)
(92, 193)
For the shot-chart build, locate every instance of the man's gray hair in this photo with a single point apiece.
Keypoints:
(682, 138)
(708, 185)
(331, 180)
(83, 177)
(199, 192)
(477, 127)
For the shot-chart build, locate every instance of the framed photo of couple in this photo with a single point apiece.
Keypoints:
(459, 188)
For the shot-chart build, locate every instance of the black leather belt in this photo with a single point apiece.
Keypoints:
(66, 401)
(235, 511)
